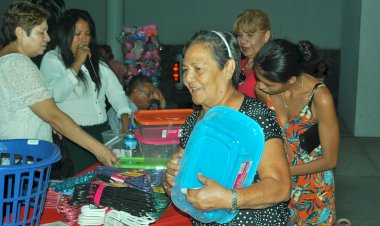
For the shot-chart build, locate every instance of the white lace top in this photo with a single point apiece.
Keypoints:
(21, 85)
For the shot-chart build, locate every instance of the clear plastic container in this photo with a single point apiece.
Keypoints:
(226, 146)
(153, 154)
(112, 138)
(116, 141)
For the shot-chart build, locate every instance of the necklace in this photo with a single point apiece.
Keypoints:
(284, 102)
(283, 98)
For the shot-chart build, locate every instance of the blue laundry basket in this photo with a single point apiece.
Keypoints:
(25, 167)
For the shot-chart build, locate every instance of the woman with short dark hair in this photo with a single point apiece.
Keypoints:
(27, 108)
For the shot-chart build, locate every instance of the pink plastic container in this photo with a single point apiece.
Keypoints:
(159, 148)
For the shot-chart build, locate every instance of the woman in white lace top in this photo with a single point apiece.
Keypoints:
(27, 109)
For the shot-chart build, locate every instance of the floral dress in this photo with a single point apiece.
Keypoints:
(313, 196)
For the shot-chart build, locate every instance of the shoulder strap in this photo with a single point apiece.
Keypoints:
(310, 101)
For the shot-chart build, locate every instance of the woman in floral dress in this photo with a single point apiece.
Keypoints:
(301, 101)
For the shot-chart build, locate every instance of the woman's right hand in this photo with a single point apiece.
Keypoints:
(82, 52)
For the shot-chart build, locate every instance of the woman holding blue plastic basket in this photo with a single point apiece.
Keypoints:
(211, 68)
(27, 108)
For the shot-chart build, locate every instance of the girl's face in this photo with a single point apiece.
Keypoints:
(251, 42)
(36, 43)
(202, 76)
(267, 86)
(82, 35)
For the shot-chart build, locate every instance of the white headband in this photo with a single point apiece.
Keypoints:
(225, 42)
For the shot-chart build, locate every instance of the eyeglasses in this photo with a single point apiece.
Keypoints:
(149, 94)
(242, 76)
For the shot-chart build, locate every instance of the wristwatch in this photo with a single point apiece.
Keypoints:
(234, 207)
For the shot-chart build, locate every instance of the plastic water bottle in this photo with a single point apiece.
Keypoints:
(130, 141)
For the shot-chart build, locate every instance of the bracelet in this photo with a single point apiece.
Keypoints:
(166, 187)
(234, 207)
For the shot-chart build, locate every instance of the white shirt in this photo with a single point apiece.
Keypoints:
(21, 85)
(85, 106)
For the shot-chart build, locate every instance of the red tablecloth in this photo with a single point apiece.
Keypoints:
(172, 217)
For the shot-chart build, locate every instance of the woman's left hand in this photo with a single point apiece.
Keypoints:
(211, 196)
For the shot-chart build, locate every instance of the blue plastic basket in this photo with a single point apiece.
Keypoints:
(25, 167)
(229, 158)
